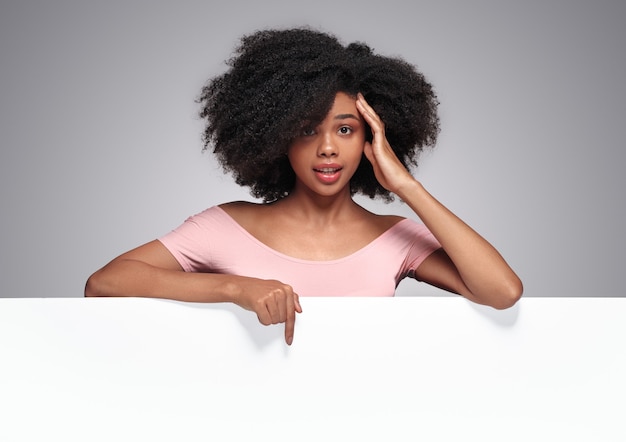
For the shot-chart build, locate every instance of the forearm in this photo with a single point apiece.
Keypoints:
(128, 277)
(486, 275)
(152, 271)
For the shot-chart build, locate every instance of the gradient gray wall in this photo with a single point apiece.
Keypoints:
(101, 148)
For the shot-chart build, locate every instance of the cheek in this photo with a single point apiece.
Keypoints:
(291, 151)
(359, 146)
(294, 157)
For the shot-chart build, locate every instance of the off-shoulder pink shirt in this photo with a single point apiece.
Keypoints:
(212, 241)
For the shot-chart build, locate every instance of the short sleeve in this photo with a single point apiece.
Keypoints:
(190, 243)
(420, 244)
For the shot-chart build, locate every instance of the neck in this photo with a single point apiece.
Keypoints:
(318, 209)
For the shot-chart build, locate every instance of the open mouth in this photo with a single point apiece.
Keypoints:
(328, 175)
(328, 170)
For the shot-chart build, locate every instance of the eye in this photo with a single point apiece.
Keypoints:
(307, 132)
(345, 130)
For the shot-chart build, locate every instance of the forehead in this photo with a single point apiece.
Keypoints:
(344, 106)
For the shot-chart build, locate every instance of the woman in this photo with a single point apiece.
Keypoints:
(306, 123)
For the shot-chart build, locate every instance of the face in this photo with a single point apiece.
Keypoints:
(325, 157)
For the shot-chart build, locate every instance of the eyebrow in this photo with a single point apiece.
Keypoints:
(344, 116)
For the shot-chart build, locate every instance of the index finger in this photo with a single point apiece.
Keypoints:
(290, 323)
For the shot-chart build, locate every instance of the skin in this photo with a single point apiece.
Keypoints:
(319, 220)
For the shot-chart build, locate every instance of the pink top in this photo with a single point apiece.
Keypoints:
(212, 241)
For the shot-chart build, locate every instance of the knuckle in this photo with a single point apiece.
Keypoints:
(263, 320)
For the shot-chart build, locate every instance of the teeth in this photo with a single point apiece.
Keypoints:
(327, 170)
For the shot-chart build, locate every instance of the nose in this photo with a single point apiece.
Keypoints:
(327, 147)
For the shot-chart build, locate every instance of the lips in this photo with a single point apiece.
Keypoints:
(328, 170)
(328, 173)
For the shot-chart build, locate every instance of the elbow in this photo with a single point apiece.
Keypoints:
(500, 296)
(509, 294)
(94, 285)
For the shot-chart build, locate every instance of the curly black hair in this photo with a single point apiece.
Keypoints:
(282, 81)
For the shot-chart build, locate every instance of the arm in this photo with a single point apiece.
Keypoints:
(468, 264)
(151, 271)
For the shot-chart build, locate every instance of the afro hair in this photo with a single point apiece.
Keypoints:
(281, 81)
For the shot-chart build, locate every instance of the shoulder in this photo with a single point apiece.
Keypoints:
(236, 207)
(406, 232)
(411, 228)
(253, 217)
(382, 223)
(244, 212)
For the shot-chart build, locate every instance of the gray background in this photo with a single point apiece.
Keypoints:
(101, 148)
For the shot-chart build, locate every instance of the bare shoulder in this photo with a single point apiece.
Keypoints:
(238, 209)
(246, 213)
(383, 223)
